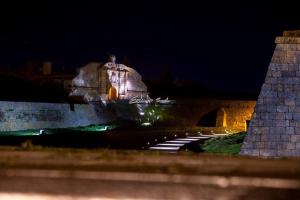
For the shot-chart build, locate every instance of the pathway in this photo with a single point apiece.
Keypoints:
(172, 146)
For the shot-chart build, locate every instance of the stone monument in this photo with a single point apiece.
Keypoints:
(274, 130)
(108, 82)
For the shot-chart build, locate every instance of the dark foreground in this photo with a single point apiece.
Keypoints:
(103, 174)
(125, 138)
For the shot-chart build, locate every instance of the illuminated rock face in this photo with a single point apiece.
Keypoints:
(109, 81)
(274, 130)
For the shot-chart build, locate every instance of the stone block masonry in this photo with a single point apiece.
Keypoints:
(232, 114)
(274, 130)
(16, 116)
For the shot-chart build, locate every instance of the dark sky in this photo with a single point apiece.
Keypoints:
(222, 44)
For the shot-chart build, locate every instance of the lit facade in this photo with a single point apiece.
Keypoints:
(108, 82)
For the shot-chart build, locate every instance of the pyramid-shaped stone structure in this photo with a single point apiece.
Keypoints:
(274, 130)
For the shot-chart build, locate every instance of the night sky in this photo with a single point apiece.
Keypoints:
(222, 44)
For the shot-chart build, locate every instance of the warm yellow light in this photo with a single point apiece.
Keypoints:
(112, 93)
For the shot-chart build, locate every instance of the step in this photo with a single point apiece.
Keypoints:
(172, 144)
(178, 141)
(200, 137)
(164, 148)
(186, 139)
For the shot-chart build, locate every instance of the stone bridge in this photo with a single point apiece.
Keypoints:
(229, 114)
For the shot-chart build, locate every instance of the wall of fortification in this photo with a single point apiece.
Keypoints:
(274, 130)
(30, 115)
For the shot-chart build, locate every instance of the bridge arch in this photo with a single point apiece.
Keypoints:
(214, 118)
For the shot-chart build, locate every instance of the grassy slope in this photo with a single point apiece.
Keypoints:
(230, 145)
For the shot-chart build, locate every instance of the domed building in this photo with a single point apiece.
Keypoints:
(108, 82)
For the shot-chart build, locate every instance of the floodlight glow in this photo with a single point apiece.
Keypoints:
(102, 128)
(146, 124)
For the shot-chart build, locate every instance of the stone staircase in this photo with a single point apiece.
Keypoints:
(172, 146)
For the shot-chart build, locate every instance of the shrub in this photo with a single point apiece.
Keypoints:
(229, 145)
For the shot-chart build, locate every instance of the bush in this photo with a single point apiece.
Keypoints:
(229, 145)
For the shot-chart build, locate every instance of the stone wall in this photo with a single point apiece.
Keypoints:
(29, 115)
(236, 113)
(274, 130)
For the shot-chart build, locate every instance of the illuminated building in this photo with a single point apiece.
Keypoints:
(109, 81)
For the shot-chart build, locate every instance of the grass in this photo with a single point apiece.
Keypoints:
(228, 145)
